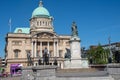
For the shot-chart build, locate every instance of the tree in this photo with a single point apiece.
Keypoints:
(98, 54)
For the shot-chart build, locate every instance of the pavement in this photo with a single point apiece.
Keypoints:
(83, 74)
(10, 78)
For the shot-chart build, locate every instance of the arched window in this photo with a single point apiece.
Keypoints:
(37, 23)
(16, 53)
(46, 23)
(40, 23)
(49, 23)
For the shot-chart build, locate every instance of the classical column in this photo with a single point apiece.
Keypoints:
(32, 49)
(61, 65)
(57, 49)
(41, 49)
(48, 46)
(35, 49)
(54, 49)
(58, 64)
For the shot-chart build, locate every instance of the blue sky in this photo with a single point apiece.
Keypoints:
(96, 19)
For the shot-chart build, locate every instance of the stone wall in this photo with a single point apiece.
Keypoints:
(48, 72)
(44, 72)
(114, 70)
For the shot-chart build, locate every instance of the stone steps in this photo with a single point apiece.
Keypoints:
(77, 70)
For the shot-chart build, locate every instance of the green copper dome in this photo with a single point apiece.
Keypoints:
(40, 11)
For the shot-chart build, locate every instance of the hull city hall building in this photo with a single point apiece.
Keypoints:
(34, 40)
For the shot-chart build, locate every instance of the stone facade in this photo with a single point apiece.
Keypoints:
(34, 40)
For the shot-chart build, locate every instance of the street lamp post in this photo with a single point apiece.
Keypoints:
(110, 55)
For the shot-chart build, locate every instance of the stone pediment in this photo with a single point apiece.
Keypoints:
(45, 35)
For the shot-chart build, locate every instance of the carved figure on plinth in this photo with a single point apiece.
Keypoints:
(30, 62)
(74, 29)
(46, 57)
(73, 56)
(68, 54)
(55, 62)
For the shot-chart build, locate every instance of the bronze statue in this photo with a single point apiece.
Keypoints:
(68, 53)
(55, 62)
(39, 61)
(46, 56)
(74, 29)
(30, 62)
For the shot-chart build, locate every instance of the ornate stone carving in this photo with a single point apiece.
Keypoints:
(45, 35)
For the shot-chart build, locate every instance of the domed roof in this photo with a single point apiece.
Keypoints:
(40, 11)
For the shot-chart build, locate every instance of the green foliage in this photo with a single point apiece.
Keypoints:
(98, 55)
(1, 69)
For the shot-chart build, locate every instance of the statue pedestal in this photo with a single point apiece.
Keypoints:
(75, 48)
(78, 63)
(75, 61)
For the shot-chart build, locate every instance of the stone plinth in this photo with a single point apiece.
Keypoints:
(44, 72)
(76, 61)
(75, 48)
(27, 73)
(113, 68)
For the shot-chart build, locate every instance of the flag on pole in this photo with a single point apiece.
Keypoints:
(9, 23)
(109, 40)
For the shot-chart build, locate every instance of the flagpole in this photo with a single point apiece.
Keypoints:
(10, 25)
(110, 55)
